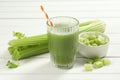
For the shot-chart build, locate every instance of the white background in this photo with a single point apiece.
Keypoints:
(25, 16)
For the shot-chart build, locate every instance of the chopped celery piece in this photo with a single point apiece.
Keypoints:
(88, 67)
(106, 61)
(98, 64)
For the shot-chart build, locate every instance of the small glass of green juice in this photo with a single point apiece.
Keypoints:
(63, 37)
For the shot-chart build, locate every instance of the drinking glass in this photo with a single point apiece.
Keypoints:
(62, 40)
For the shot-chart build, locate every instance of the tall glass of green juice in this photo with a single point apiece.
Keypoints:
(62, 37)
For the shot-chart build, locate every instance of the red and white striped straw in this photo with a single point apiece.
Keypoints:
(46, 15)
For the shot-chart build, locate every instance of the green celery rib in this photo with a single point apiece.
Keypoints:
(87, 23)
(29, 52)
(94, 26)
(34, 40)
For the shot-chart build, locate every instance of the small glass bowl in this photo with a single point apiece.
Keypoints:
(93, 51)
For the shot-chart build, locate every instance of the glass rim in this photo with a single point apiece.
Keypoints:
(77, 22)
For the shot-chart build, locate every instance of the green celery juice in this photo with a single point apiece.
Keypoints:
(62, 46)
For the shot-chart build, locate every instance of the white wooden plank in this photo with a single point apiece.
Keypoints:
(44, 66)
(60, 77)
(112, 25)
(47, 0)
(61, 6)
(82, 14)
(80, 9)
(39, 25)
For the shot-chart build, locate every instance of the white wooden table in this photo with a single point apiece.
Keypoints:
(25, 16)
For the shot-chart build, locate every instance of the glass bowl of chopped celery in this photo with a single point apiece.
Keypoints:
(93, 44)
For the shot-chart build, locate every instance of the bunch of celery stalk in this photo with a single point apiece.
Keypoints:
(25, 47)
